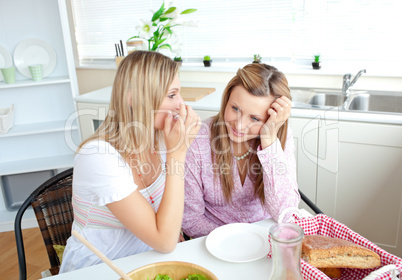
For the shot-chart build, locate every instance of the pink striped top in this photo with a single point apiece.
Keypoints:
(205, 206)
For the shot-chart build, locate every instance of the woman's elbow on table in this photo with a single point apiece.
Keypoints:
(166, 247)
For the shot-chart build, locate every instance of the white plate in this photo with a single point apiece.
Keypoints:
(34, 51)
(239, 242)
(5, 60)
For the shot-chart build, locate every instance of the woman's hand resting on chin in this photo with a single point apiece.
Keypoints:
(278, 113)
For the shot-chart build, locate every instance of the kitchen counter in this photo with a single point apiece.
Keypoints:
(212, 102)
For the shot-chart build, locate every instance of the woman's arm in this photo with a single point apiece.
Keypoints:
(161, 230)
(279, 166)
(198, 166)
(279, 176)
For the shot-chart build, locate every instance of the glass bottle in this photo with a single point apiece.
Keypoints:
(135, 44)
(286, 240)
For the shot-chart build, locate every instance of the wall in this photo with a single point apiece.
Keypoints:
(92, 79)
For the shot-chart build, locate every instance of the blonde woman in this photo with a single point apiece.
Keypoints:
(128, 195)
(241, 167)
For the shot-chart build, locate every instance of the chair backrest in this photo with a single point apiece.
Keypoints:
(51, 203)
(310, 203)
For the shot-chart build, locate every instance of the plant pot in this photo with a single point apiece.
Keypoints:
(256, 61)
(316, 65)
(180, 62)
(207, 63)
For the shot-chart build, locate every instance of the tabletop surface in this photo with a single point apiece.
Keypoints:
(193, 251)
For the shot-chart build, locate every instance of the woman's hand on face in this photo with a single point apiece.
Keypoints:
(278, 113)
(181, 130)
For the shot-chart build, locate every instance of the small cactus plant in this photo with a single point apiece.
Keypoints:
(257, 58)
(316, 63)
(207, 61)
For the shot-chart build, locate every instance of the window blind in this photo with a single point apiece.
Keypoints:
(366, 30)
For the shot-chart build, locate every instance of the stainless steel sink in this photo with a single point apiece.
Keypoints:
(359, 101)
(327, 100)
(376, 103)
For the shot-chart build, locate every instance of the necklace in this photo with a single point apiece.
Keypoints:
(138, 169)
(242, 156)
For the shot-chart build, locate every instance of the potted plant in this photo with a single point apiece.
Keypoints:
(178, 60)
(207, 61)
(316, 63)
(257, 58)
(159, 29)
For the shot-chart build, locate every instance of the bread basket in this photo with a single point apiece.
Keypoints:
(391, 265)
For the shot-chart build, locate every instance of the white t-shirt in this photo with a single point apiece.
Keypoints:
(101, 176)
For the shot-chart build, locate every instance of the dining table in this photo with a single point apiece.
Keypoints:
(192, 251)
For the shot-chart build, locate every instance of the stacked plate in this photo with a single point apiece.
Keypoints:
(29, 52)
(34, 51)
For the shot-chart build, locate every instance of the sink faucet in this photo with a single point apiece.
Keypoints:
(347, 84)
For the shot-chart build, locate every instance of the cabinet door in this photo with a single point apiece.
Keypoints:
(305, 134)
(364, 190)
(90, 116)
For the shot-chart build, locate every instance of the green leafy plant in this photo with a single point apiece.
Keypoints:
(159, 30)
(207, 58)
(317, 58)
(177, 58)
(257, 58)
(162, 277)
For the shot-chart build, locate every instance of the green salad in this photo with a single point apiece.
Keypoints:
(189, 277)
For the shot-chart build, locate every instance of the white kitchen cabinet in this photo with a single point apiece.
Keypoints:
(360, 183)
(91, 116)
(45, 132)
(305, 135)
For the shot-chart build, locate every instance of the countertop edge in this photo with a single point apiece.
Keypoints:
(212, 101)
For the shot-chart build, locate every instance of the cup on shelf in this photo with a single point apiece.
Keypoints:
(36, 72)
(118, 60)
(8, 74)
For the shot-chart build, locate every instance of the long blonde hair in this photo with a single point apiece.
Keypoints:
(141, 83)
(259, 80)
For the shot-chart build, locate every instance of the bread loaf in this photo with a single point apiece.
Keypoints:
(332, 272)
(327, 252)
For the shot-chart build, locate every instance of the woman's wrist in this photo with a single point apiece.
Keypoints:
(265, 143)
(175, 164)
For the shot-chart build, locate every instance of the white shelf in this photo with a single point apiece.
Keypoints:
(36, 128)
(30, 83)
(40, 139)
(36, 164)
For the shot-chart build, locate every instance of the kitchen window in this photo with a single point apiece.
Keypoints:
(234, 30)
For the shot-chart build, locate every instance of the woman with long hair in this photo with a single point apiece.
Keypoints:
(241, 167)
(128, 186)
